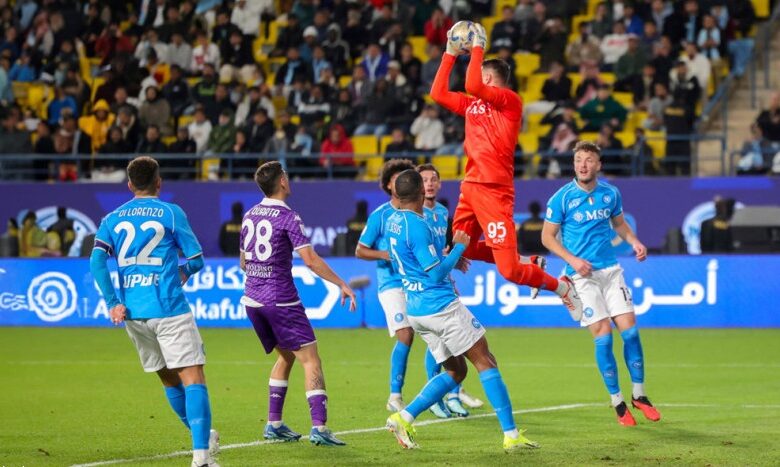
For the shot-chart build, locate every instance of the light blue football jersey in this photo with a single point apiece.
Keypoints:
(437, 218)
(145, 235)
(584, 218)
(413, 251)
(375, 237)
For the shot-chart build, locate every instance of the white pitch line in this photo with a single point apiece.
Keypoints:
(552, 408)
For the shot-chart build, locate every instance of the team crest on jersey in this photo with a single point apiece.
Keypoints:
(606, 199)
(578, 216)
(476, 323)
(549, 213)
(574, 203)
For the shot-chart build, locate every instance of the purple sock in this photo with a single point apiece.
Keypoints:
(277, 390)
(318, 406)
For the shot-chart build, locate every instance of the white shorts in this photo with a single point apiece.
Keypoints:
(604, 295)
(172, 342)
(393, 302)
(449, 333)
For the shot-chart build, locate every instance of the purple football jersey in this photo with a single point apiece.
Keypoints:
(269, 234)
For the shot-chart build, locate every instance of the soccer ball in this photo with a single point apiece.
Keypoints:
(462, 36)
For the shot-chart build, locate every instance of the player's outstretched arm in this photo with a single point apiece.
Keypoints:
(625, 232)
(314, 262)
(99, 269)
(370, 254)
(551, 242)
(440, 89)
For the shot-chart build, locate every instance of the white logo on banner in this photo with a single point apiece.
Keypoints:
(328, 302)
(52, 296)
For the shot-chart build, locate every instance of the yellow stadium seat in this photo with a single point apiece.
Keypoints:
(592, 6)
(529, 142)
(533, 122)
(207, 166)
(534, 86)
(191, 82)
(168, 140)
(21, 92)
(500, 4)
(185, 120)
(428, 99)
(626, 99)
(526, 63)
(373, 167)
(589, 136)
(576, 79)
(488, 22)
(365, 145)
(576, 20)
(419, 46)
(344, 81)
(280, 102)
(383, 142)
(657, 142)
(96, 83)
(628, 138)
(608, 77)
(448, 166)
(761, 7)
(295, 119)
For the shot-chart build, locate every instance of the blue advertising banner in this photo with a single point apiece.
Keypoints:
(668, 291)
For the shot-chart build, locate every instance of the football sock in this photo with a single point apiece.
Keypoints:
(431, 367)
(177, 400)
(198, 414)
(398, 359)
(496, 392)
(605, 360)
(454, 393)
(277, 391)
(318, 406)
(635, 361)
(638, 390)
(431, 393)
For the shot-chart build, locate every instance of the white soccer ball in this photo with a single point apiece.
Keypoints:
(462, 36)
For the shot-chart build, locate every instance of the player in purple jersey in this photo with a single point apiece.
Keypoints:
(270, 233)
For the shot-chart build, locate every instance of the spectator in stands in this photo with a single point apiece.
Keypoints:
(437, 26)
(177, 92)
(769, 119)
(97, 124)
(614, 45)
(529, 232)
(155, 111)
(715, 236)
(230, 231)
(355, 34)
(121, 99)
(111, 43)
(337, 50)
(709, 40)
(375, 63)
(657, 108)
(563, 127)
(531, 28)
(69, 139)
(293, 69)
(428, 129)
(221, 102)
(23, 71)
(589, 84)
(615, 162)
(555, 90)
(584, 49)
(337, 150)
(697, 65)
(309, 41)
(378, 109)
(359, 88)
(684, 86)
(246, 16)
(151, 143)
(628, 68)
(683, 25)
(505, 33)
(44, 144)
(128, 123)
(259, 130)
(6, 95)
(643, 152)
(11, 43)
(643, 87)
(254, 100)
(33, 240)
(741, 15)
(237, 60)
(601, 26)
(318, 63)
(756, 154)
(63, 228)
(662, 60)
(650, 38)
(151, 41)
(9, 241)
(524, 11)
(200, 129)
(12, 139)
(315, 108)
(223, 135)
(115, 144)
(678, 121)
(551, 43)
(659, 11)
(343, 111)
(356, 224)
(411, 67)
(240, 146)
(61, 101)
(399, 145)
(203, 53)
(429, 68)
(632, 20)
(603, 109)
(179, 52)
(182, 146)
(278, 146)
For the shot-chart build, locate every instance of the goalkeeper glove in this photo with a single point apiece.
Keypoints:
(452, 48)
(480, 36)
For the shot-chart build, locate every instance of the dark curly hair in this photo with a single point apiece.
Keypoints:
(392, 167)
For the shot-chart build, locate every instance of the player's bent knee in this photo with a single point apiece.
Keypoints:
(192, 375)
(405, 336)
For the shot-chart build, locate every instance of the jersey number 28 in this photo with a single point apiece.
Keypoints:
(261, 234)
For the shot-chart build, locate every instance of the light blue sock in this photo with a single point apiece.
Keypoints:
(632, 352)
(433, 392)
(198, 414)
(431, 367)
(605, 360)
(454, 392)
(398, 361)
(496, 392)
(176, 398)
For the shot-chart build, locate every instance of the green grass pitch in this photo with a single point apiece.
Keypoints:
(72, 396)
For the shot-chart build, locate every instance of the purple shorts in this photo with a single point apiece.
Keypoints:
(286, 327)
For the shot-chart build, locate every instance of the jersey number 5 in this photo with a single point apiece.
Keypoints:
(393, 243)
(143, 258)
(261, 234)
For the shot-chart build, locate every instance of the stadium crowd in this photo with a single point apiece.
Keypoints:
(308, 79)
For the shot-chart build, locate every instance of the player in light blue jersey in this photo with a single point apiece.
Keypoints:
(145, 235)
(434, 311)
(373, 246)
(437, 216)
(585, 212)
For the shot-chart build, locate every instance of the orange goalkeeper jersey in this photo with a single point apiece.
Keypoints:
(493, 117)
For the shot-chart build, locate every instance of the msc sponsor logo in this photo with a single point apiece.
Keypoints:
(592, 215)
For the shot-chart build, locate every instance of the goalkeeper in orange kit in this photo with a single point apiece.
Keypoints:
(493, 116)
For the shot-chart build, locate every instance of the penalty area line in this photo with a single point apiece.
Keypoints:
(226, 447)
